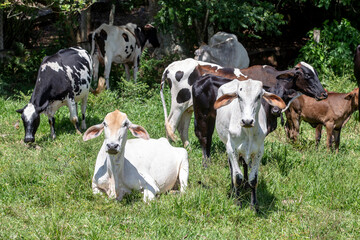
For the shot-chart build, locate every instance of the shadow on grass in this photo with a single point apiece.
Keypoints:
(266, 199)
(63, 126)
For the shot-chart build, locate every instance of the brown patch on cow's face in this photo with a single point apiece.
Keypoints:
(114, 121)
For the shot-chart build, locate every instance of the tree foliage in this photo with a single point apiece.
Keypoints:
(335, 50)
(192, 19)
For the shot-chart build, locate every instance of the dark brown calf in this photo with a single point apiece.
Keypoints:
(332, 113)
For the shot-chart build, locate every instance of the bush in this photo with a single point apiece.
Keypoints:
(334, 53)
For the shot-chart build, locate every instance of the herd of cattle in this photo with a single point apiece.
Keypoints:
(242, 104)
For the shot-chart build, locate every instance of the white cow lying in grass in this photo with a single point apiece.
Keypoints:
(241, 125)
(148, 165)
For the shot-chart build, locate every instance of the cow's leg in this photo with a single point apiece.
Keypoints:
(95, 189)
(204, 128)
(73, 114)
(292, 124)
(95, 68)
(50, 113)
(136, 65)
(173, 121)
(329, 132)
(318, 134)
(253, 179)
(150, 189)
(52, 126)
(127, 71)
(107, 62)
(83, 110)
(183, 126)
(184, 174)
(237, 178)
(337, 139)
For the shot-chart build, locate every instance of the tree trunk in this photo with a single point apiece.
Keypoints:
(1, 30)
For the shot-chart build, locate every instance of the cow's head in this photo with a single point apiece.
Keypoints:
(115, 126)
(306, 80)
(353, 96)
(30, 116)
(150, 33)
(249, 94)
(285, 90)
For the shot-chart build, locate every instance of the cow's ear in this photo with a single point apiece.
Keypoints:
(93, 132)
(349, 96)
(20, 110)
(224, 100)
(288, 75)
(274, 100)
(42, 107)
(138, 131)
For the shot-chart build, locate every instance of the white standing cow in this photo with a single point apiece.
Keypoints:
(241, 125)
(225, 50)
(149, 165)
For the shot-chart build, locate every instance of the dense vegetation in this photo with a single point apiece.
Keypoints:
(303, 192)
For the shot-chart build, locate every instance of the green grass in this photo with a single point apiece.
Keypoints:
(45, 189)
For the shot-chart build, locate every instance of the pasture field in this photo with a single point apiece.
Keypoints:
(45, 189)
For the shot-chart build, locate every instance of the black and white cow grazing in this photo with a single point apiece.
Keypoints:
(63, 79)
(120, 44)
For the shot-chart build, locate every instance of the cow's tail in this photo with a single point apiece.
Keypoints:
(91, 38)
(169, 131)
(100, 87)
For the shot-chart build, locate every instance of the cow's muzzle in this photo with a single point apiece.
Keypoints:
(247, 123)
(322, 96)
(113, 148)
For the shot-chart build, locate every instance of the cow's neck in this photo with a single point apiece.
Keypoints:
(114, 166)
(39, 96)
(140, 37)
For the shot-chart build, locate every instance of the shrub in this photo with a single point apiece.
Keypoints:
(334, 52)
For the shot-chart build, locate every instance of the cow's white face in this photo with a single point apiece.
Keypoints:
(115, 126)
(30, 116)
(249, 94)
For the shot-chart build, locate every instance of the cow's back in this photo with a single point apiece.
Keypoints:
(157, 158)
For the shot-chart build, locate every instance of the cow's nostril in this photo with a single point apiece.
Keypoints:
(247, 122)
(112, 145)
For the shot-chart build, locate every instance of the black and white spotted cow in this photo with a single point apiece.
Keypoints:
(120, 44)
(63, 79)
(181, 75)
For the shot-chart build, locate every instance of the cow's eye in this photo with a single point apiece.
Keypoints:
(307, 75)
(125, 124)
(104, 123)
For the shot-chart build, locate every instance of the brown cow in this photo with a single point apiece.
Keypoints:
(332, 112)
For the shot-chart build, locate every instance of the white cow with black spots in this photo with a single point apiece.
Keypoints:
(152, 166)
(120, 44)
(181, 75)
(63, 79)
